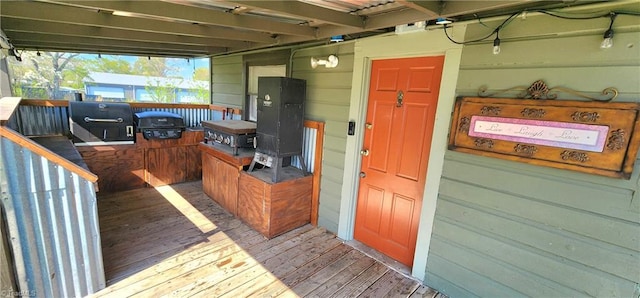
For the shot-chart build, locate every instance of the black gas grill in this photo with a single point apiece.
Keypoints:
(101, 123)
(159, 125)
(234, 134)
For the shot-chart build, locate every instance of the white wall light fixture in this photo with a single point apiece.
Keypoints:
(330, 62)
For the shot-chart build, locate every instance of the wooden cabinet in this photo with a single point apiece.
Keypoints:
(152, 162)
(220, 172)
(274, 208)
(220, 182)
(118, 167)
(166, 166)
(171, 161)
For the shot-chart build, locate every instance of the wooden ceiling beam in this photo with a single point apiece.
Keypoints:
(20, 25)
(374, 23)
(114, 51)
(98, 43)
(185, 13)
(458, 8)
(428, 7)
(305, 11)
(72, 15)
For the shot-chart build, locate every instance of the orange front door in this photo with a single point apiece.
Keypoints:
(403, 94)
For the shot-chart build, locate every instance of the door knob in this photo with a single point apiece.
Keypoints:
(368, 125)
(364, 152)
(363, 174)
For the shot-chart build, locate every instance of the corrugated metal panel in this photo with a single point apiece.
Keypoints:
(192, 117)
(40, 120)
(310, 136)
(52, 219)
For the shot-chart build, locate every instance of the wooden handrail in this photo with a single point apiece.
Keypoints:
(44, 103)
(46, 153)
(64, 103)
(7, 106)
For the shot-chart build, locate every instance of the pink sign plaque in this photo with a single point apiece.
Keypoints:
(548, 133)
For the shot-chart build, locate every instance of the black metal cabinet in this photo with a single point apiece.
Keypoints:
(280, 116)
(279, 131)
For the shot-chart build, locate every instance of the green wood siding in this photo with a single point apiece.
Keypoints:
(507, 229)
(227, 82)
(328, 100)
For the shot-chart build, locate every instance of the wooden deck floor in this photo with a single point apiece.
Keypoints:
(175, 241)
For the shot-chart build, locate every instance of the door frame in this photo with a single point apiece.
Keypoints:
(419, 44)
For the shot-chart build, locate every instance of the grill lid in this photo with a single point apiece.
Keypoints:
(158, 119)
(101, 123)
(235, 127)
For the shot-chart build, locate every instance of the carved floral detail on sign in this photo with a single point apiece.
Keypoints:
(574, 156)
(533, 113)
(616, 140)
(484, 143)
(464, 124)
(489, 110)
(585, 116)
(527, 150)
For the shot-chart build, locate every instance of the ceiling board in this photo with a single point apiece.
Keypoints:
(210, 27)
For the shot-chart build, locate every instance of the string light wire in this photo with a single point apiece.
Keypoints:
(549, 13)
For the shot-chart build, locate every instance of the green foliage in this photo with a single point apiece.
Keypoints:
(201, 74)
(43, 75)
(110, 64)
(202, 94)
(162, 92)
(154, 67)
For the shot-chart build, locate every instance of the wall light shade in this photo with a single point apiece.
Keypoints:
(330, 62)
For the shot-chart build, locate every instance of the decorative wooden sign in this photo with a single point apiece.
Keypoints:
(593, 137)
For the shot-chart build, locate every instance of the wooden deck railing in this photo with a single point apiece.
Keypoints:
(8, 107)
(50, 202)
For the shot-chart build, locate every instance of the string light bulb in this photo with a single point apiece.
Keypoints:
(607, 41)
(496, 45)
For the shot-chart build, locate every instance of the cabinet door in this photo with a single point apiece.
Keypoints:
(228, 185)
(220, 182)
(252, 203)
(165, 166)
(193, 164)
(209, 174)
